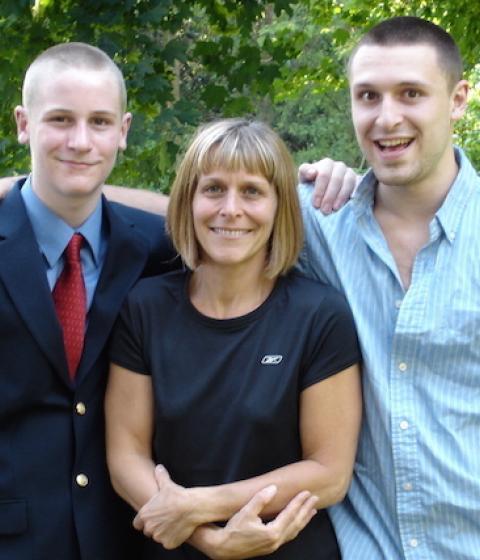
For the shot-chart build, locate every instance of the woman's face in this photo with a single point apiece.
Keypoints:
(233, 217)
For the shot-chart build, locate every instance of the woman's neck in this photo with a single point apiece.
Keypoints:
(225, 292)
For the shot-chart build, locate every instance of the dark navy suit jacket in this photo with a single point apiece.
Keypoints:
(52, 431)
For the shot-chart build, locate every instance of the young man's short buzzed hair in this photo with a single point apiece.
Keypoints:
(72, 55)
(410, 30)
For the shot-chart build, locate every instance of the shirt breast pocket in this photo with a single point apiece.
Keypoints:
(460, 322)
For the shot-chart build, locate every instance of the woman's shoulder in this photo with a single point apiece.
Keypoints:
(158, 288)
(313, 293)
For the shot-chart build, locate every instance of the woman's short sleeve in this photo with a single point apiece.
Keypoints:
(333, 344)
(127, 341)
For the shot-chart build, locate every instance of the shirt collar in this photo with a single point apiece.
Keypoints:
(449, 214)
(364, 195)
(53, 234)
(465, 185)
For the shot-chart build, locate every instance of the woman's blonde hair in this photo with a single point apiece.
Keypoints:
(238, 145)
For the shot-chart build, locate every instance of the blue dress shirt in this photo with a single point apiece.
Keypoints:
(416, 487)
(53, 235)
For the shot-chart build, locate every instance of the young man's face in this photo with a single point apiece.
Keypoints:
(403, 110)
(75, 126)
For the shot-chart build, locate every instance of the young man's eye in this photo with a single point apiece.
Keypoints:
(412, 93)
(99, 121)
(58, 119)
(367, 95)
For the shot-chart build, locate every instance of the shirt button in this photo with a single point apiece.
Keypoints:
(407, 487)
(80, 408)
(413, 543)
(402, 366)
(398, 303)
(82, 480)
(404, 425)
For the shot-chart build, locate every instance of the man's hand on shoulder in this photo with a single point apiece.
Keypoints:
(334, 183)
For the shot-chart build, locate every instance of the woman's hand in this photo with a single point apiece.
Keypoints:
(168, 517)
(246, 535)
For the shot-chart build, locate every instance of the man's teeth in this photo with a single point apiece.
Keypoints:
(393, 143)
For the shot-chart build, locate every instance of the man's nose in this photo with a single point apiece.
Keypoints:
(80, 137)
(389, 113)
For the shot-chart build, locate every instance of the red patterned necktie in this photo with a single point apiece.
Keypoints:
(71, 304)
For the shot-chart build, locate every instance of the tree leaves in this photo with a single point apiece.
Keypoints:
(187, 61)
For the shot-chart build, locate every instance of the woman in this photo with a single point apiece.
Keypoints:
(237, 376)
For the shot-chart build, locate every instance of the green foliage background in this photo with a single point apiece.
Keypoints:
(187, 61)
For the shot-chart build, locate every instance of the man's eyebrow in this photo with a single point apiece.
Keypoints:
(61, 109)
(405, 83)
(104, 112)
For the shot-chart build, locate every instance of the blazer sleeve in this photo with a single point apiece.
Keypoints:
(162, 256)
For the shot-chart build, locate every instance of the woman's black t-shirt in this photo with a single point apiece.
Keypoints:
(227, 391)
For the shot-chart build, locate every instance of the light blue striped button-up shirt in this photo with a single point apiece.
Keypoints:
(416, 488)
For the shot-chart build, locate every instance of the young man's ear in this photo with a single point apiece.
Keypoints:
(126, 122)
(21, 118)
(459, 100)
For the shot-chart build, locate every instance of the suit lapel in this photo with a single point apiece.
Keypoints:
(125, 260)
(24, 277)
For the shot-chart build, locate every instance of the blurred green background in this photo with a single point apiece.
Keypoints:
(188, 61)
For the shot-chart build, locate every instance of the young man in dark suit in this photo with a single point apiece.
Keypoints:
(56, 500)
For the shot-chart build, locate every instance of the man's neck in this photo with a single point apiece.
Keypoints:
(404, 213)
(420, 199)
(72, 210)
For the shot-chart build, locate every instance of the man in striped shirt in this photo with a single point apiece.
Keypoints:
(405, 250)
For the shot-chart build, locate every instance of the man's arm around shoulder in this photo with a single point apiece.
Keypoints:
(136, 198)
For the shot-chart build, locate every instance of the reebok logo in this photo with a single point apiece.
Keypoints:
(271, 359)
